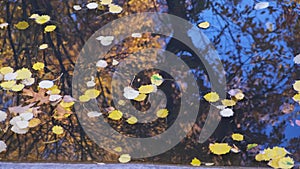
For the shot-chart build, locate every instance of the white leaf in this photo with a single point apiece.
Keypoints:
(115, 62)
(54, 97)
(221, 107)
(3, 146)
(270, 26)
(46, 84)
(115, 8)
(3, 115)
(233, 92)
(92, 5)
(91, 83)
(77, 7)
(101, 64)
(68, 99)
(14, 120)
(3, 25)
(10, 76)
(130, 93)
(226, 112)
(1, 77)
(106, 2)
(136, 35)
(17, 130)
(94, 114)
(28, 82)
(26, 116)
(297, 59)
(261, 5)
(22, 124)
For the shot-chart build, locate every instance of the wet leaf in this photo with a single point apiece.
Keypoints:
(219, 148)
(195, 162)
(22, 25)
(211, 97)
(237, 137)
(162, 113)
(115, 115)
(57, 130)
(124, 158)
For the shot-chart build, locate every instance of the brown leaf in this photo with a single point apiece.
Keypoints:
(20, 109)
(60, 112)
(40, 97)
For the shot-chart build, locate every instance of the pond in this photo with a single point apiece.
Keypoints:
(189, 82)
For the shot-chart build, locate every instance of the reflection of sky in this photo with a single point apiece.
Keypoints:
(260, 18)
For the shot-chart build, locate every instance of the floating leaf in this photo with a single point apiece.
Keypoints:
(286, 163)
(227, 102)
(92, 5)
(296, 85)
(237, 137)
(195, 162)
(297, 59)
(115, 62)
(36, 97)
(94, 114)
(162, 113)
(115, 8)
(8, 84)
(146, 89)
(296, 97)
(106, 2)
(34, 122)
(211, 97)
(46, 84)
(101, 64)
(130, 93)
(226, 112)
(251, 146)
(274, 163)
(43, 46)
(3, 146)
(66, 104)
(204, 25)
(118, 149)
(297, 122)
(57, 130)
(6, 70)
(124, 158)
(18, 87)
(3, 116)
(77, 7)
(115, 115)
(132, 120)
(50, 28)
(38, 66)
(28, 82)
(3, 25)
(261, 5)
(140, 97)
(157, 79)
(10, 76)
(261, 157)
(23, 73)
(84, 98)
(275, 152)
(34, 16)
(42, 19)
(136, 35)
(22, 25)
(92, 93)
(219, 148)
(105, 40)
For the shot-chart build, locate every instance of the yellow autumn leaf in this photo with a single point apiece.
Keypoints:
(84, 98)
(219, 148)
(237, 137)
(239, 96)
(140, 97)
(106, 2)
(296, 85)
(195, 162)
(22, 25)
(145, 89)
(124, 158)
(54, 90)
(228, 103)
(286, 163)
(49, 28)
(6, 70)
(34, 16)
(43, 46)
(296, 97)
(8, 84)
(92, 93)
(115, 115)
(274, 163)
(204, 25)
(275, 152)
(66, 104)
(23, 73)
(42, 19)
(57, 130)
(212, 97)
(157, 79)
(38, 66)
(118, 149)
(34, 122)
(132, 120)
(261, 157)
(18, 87)
(115, 8)
(162, 113)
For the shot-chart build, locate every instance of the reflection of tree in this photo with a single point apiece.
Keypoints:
(256, 60)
